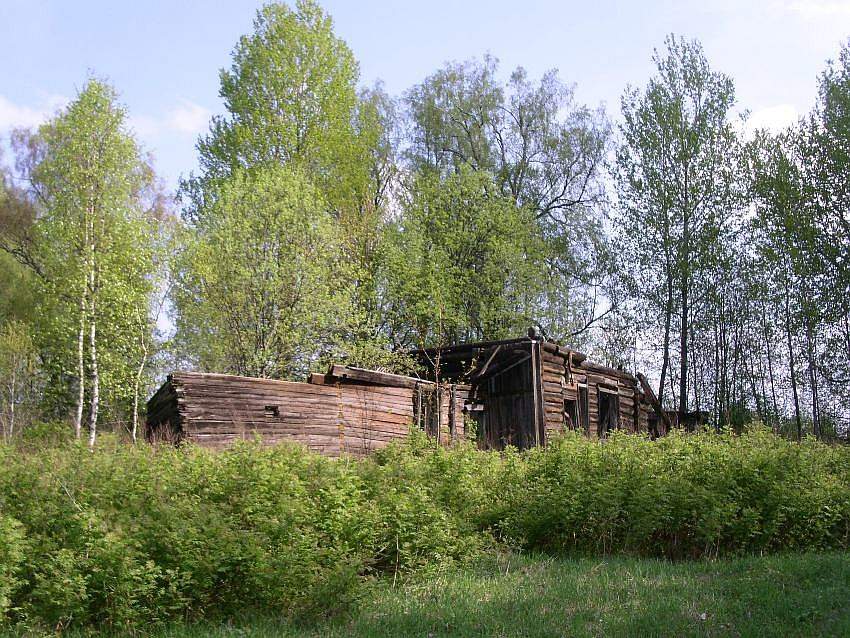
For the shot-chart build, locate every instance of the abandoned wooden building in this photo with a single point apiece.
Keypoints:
(516, 392)
(523, 391)
(346, 411)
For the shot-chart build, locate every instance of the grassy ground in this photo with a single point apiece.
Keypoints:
(793, 595)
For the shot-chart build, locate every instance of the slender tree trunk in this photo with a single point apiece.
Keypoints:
(683, 331)
(673, 393)
(699, 371)
(763, 388)
(813, 382)
(750, 368)
(792, 364)
(770, 372)
(847, 333)
(723, 364)
(81, 366)
(735, 385)
(95, 375)
(716, 398)
(135, 428)
(139, 371)
(683, 350)
(668, 318)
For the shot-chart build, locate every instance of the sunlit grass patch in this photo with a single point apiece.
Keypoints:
(784, 595)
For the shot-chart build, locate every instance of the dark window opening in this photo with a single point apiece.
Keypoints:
(571, 414)
(272, 410)
(609, 411)
(583, 410)
(426, 409)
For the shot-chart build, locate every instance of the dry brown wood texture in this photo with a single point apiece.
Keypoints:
(515, 391)
(331, 415)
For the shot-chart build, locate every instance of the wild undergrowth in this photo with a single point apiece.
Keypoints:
(128, 535)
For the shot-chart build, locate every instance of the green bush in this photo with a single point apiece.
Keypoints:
(12, 552)
(127, 536)
(686, 495)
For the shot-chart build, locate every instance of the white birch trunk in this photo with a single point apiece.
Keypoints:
(135, 430)
(81, 368)
(95, 376)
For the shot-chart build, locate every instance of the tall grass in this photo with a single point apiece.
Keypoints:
(128, 535)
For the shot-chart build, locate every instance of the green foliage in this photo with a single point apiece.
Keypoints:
(12, 551)
(18, 382)
(45, 434)
(682, 496)
(679, 191)
(16, 290)
(128, 535)
(17, 215)
(259, 290)
(90, 248)
(293, 109)
(545, 154)
(290, 95)
(463, 262)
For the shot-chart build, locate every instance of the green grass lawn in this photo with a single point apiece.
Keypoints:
(793, 595)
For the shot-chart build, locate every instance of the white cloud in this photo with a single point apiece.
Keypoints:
(773, 118)
(144, 125)
(14, 115)
(189, 117)
(185, 118)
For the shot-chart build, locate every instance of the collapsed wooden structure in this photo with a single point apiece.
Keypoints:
(517, 392)
(523, 391)
(346, 411)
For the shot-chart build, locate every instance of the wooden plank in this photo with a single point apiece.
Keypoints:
(382, 378)
(653, 401)
(562, 351)
(285, 388)
(607, 371)
(205, 382)
(537, 385)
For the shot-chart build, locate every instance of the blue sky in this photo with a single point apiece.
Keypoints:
(164, 57)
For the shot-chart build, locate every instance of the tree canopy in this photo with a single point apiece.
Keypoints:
(330, 221)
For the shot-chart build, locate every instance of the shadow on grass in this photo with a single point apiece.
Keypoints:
(790, 595)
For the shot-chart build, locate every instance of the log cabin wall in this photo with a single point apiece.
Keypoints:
(503, 387)
(330, 414)
(524, 391)
(567, 375)
(509, 406)
(520, 392)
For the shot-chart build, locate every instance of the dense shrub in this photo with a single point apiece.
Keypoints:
(11, 559)
(129, 535)
(681, 496)
(126, 534)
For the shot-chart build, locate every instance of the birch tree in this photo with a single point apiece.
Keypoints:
(17, 377)
(90, 249)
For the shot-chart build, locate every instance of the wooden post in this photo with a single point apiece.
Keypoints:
(340, 418)
(452, 416)
(537, 393)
